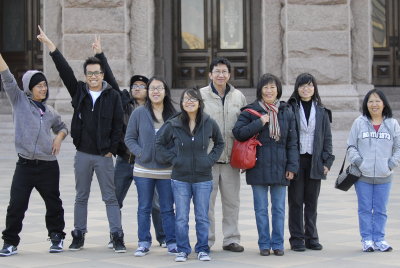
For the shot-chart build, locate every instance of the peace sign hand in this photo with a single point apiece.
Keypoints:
(42, 37)
(96, 45)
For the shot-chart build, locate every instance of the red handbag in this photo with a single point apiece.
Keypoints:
(243, 154)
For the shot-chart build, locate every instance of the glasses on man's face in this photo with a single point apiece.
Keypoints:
(159, 89)
(95, 73)
(219, 72)
(41, 86)
(138, 87)
(190, 100)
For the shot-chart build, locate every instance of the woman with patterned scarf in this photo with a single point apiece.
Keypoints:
(277, 159)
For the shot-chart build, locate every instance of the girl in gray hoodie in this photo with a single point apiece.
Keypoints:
(37, 165)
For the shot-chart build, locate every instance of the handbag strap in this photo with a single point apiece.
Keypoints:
(253, 112)
(344, 160)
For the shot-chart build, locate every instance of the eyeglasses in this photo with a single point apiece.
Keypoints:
(307, 86)
(159, 89)
(138, 87)
(218, 72)
(190, 99)
(95, 73)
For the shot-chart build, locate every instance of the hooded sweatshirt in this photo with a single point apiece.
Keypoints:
(187, 152)
(33, 139)
(375, 153)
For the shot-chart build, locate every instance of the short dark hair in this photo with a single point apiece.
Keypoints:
(169, 109)
(266, 79)
(90, 61)
(194, 93)
(387, 111)
(220, 60)
(303, 79)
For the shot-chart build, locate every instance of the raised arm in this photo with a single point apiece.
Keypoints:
(108, 74)
(3, 64)
(9, 83)
(63, 68)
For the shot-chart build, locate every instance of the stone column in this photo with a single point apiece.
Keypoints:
(272, 37)
(142, 37)
(362, 50)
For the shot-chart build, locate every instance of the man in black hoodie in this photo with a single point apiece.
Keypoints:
(96, 129)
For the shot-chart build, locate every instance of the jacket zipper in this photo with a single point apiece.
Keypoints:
(37, 138)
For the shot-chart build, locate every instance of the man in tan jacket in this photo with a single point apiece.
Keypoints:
(223, 102)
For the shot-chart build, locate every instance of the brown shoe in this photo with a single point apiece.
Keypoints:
(234, 247)
(265, 252)
(278, 252)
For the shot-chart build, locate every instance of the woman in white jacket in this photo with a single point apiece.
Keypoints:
(374, 147)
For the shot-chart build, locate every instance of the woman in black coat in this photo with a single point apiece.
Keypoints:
(277, 159)
(316, 158)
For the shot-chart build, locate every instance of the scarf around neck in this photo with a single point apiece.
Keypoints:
(272, 110)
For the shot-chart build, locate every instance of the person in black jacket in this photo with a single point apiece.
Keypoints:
(125, 160)
(183, 142)
(96, 129)
(316, 158)
(277, 159)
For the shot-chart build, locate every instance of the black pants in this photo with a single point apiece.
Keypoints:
(303, 191)
(45, 177)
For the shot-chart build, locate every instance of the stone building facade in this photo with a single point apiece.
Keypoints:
(332, 39)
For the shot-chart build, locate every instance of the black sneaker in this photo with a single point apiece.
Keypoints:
(56, 242)
(8, 250)
(78, 239)
(118, 242)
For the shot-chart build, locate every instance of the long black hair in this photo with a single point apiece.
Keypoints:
(169, 109)
(192, 93)
(387, 111)
(306, 79)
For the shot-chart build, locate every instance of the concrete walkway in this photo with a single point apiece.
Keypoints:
(337, 223)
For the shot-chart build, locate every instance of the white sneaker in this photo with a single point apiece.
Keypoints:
(382, 246)
(368, 246)
(181, 257)
(141, 251)
(203, 256)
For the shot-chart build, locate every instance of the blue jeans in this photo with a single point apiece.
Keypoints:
(145, 188)
(372, 203)
(260, 196)
(123, 177)
(183, 192)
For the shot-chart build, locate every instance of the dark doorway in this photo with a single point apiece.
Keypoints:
(386, 42)
(204, 29)
(18, 45)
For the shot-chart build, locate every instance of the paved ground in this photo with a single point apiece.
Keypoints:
(337, 222)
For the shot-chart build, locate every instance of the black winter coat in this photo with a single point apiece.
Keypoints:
(108, 109)
(188, 153)
(274, 158)
(322, 146)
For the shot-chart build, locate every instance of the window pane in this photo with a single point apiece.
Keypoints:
(379, 23)
(192, 24)
(13, 26)
(231, 24)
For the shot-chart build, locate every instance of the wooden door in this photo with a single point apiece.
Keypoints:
(204, 29)
(386, 42)
(18, 31)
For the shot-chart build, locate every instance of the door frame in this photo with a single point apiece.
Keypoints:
(164, 37)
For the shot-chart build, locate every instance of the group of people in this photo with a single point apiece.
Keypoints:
(175, 157)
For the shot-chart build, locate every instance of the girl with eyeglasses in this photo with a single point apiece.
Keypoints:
(148, 174)
(183, 142)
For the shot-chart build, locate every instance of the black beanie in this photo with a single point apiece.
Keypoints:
(36, 79)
